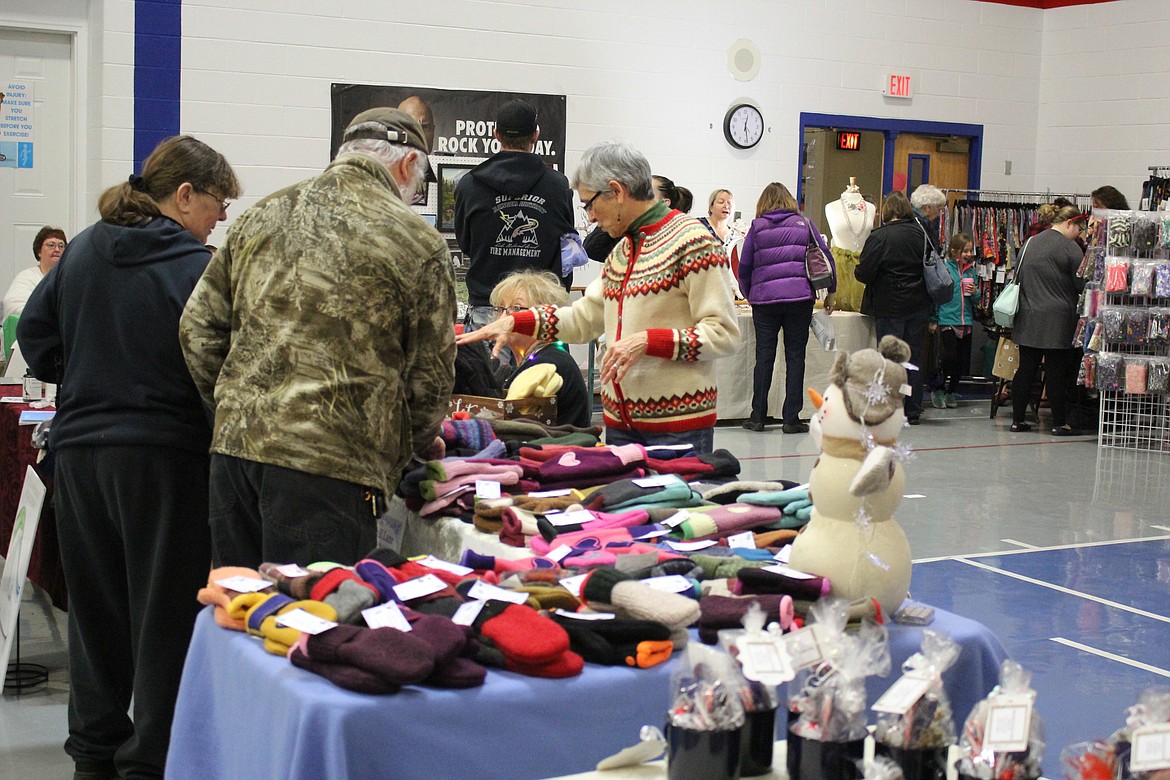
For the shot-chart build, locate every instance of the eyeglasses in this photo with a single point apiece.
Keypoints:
(223, 204)
(53, 245)
(500, 311)
(588, 205)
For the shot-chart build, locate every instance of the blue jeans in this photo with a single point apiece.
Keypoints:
(481, 316)
(702, 439)
(912, 330)
(769, 319)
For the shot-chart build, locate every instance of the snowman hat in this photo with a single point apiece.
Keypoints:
(873, 381)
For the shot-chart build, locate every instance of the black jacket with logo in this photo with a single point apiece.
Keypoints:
(510, 213)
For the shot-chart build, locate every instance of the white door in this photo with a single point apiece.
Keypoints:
(44, 194)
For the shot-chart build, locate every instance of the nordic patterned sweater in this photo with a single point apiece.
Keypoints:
(669, 277)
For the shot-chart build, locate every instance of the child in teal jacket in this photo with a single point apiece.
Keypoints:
(955, 320)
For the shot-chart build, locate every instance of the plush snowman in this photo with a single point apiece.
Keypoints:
(856, 483)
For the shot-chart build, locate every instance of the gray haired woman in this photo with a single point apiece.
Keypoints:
(663, 301)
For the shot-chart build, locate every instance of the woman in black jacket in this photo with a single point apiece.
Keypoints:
(895, 290)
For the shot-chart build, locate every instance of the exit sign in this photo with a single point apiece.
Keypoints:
(897, 85)
(848, 141)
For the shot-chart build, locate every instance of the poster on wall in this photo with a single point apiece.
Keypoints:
(16, 125)
(457, 122)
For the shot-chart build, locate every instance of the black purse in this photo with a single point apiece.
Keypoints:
(816, 265)
(940, 285)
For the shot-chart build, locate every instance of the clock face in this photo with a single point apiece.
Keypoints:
(743, 126)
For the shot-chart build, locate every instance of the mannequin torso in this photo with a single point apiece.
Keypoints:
(850, 220)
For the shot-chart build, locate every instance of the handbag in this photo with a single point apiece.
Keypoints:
(1007, 303)
(816, 265)
(1007, 359)
(940, 285)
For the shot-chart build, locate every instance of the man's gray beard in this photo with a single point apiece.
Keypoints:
(410, 188)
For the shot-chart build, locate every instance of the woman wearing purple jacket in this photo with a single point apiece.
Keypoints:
(773, 278)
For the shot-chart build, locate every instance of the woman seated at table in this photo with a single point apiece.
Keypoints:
(519, 292)
(663, 301)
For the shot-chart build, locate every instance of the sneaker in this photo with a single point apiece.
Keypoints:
(752, 425)
(1022, 427)
(796, 427)
(951, 401)
(937, 400)
(914, 420)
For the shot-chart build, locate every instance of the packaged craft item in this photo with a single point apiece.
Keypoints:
(705, 717)
(1159, 332)
(1113, 323)
(1087, 376)
(915, 724)
(1135, 376)
(1162, 280)
(1092, 760)
(758, 649)
(1138, 745)
(828, 733)
(1141, 282)
(1158, 376)
(1137, 325)
(1145, 233)
(1003, 738)
(1110, 371)
(1120, 229)
(1116, 274)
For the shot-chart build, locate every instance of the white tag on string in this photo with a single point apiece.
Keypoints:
(467, 613)
(487, 489)
(431, 562)
(303, 621)
(418, 587)
(902, 695)
(1150, 748)
(743, 541)
(1009, 722)
(242, 584)
(764, 658)
(388, 615)
(483, 591)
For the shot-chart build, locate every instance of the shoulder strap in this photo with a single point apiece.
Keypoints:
(1020, 262)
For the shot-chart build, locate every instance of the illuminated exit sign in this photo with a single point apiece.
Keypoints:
(848, 141)
(897, 85)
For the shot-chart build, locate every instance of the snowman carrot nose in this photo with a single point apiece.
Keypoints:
(817, 399)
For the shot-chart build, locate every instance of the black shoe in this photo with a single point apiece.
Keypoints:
(752, 425)
(1021, 427)
(914, 420)
(1064, 430)
(796, 427)
(94, 770)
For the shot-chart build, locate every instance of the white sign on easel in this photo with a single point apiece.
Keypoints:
(24, 532)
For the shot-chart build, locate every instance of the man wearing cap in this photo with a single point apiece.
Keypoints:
(321, 335)
(511, 211)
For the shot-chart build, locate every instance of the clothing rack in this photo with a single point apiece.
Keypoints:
(1008, 194)
(1156, 189)
(1159, 169)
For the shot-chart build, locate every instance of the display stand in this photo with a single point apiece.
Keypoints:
(1124, 327)
(22, 675)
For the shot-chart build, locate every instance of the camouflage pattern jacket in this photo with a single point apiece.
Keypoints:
(322, 331)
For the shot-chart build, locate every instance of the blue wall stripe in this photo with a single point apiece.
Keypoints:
(158, 49)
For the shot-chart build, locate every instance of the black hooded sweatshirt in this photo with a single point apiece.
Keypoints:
(104, 325)
(510, 213)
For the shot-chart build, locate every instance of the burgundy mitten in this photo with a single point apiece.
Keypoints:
(761, 581)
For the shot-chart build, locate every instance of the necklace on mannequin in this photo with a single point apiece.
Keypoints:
(860, 209)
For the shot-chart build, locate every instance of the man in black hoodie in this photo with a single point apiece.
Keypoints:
(510, 212)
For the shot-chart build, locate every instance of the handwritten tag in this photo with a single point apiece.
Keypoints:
(1009, 722)
(292, 570)
(764, 658)
(585, 615)
(743, 541)
(387, 615)
(570, 518)
(559, 552)
(784, 554)
(662, 480)
(788, 571)
(573, 584)
(671, 583)
(418, 587)
(304, 622)
(902, 695)
(677, 519)
(692, 546)
(804, 647)
(242, 584)
(487, 488)
(467, 613)
(431, 562)
(550, 493)
(1150, 748)
(653, 533)
(482, 591)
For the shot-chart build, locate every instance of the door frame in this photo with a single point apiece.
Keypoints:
(891, 129)
(79, 178)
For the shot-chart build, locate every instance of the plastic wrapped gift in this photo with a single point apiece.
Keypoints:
(1003, 737)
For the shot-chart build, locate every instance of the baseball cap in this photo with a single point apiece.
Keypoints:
(516, 118)
(398, 127)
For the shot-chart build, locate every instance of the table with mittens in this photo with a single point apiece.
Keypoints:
(533, 665)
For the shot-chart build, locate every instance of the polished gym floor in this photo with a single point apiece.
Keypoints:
(1060, 547)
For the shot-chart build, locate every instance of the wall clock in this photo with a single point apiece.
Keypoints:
(743, 126)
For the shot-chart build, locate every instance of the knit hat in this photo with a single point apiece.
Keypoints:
(872, 380)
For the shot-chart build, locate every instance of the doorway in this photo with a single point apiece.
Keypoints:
(41, 188)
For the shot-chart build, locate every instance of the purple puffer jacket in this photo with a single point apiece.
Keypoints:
(771, 263)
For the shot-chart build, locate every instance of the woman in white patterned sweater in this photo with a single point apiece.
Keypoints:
(663, 301)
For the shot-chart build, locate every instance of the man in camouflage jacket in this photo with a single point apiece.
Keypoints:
(322, 337)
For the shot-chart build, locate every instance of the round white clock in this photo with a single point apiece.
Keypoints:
(743, 126)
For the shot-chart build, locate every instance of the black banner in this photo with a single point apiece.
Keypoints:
(461, 121)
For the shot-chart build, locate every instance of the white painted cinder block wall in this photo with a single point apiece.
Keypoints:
(1074, 97)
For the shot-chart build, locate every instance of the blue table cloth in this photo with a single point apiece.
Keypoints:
(243, 713)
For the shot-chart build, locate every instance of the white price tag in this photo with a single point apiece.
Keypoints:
(804, 647)
(652, 534)
(1150, 748)
(788, 571)
(677, 519)
(487, 488)
(570, 518)
(744, 541)
(242, 584)
(1009, 722)
(914, 495)
(387, 615)
(784, 554)
(692, 546)
(662, 480)
(764, 659)
(902, 695)
(467, 612)
(303, 621)
(550, 493)
(482, 591)
(292, 570)
(559, 552)
(418, 587)
(573, 584)
(585, 615)
(671, 583)
(431, 562)
(675, 447)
